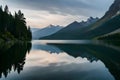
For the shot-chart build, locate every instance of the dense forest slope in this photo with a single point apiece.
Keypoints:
(13, 27)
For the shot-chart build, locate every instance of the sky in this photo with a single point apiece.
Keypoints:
(41, 13)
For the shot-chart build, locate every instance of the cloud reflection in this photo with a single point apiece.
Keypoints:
(43, 58)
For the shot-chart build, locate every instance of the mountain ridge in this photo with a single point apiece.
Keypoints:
(73, 28)
(45, 31)
(107, 24)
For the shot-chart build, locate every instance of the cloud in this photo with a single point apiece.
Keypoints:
(44, 18)
(41, 13)
(64, 7)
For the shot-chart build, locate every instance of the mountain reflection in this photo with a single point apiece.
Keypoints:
(12, 56)
(108, 53)
(110, 56)
(43, 62)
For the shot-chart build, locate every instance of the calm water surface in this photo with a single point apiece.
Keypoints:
(60, 60)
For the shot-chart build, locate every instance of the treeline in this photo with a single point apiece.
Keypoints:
(115, 36)
(13, 26)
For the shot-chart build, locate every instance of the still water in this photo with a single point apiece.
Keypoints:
(60, 60)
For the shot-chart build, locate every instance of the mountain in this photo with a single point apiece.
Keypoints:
(78, 25)
(72, 29)
(114, 8)
(112, 11)
(107, 24)
(51, 29)
(35, 29)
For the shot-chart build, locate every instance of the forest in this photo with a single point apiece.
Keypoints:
(13, 26)
(115, 36)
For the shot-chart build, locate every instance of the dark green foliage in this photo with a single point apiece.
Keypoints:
(111, 37)
(12, 56)
(14, 24)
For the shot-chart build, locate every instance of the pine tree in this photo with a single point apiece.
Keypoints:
(14, 25)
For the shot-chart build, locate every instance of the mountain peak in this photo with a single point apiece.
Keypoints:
(51, 25)
(75, 22)
(114, 8)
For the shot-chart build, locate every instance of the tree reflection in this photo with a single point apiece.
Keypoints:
(12, 56)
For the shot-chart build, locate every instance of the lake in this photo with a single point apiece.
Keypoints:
(60, 60)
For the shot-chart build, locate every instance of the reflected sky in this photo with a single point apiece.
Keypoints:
(42, 65)
(60, 61)
(46, 59)
(65, 41)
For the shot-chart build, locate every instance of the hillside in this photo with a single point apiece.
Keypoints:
(107, 27)
(73, 29)
(51, 29)
(107, 24)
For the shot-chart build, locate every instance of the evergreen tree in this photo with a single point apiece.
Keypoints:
(6, 10)
(14, 25)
